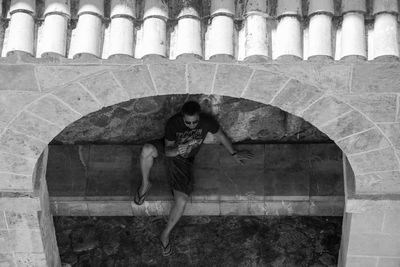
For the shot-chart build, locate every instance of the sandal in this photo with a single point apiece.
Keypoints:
(167, 250)
(139, 199)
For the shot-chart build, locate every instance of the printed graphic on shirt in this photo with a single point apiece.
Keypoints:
(192, 138)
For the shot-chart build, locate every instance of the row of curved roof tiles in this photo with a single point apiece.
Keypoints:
(240, 29)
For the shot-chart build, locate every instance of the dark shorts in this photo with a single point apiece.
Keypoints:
(179, 170)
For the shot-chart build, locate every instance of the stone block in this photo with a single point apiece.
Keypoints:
(26, 240)
(371, 205)
(110, 208)
(374, 244)
(364, 141)
(376, 78)
(327, 208)
(169, 78)
(334, 78)
(378, 183)
(200, 78)
(348, 124)
(30, 259)
(285, 208)
(295, 97)
(388, 262)
(18, 78)
(7, 259)
(22, 220)
(51, 109)
(77, 98)
(59, 208)
(31, 125)
(231, 80)
(20, 144)
(152, 208)
(15, 164)
(11, 103)
(50, 77)
(377, 107)
(324, 110)
(392, 131)
(136, 80)
(12, 182)
(378, 160)
(360, 261)
(105, 88)
(264, 85)
(391, 223)
(370, 222)
(250, 208)
(20, 204)
(202, 209)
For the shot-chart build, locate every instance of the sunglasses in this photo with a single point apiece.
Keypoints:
(191, 122)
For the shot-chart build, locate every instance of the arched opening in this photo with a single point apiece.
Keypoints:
(297, 171)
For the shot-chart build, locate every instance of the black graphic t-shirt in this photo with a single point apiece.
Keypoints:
(177, 131)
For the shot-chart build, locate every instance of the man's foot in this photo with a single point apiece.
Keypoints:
(166, 247)
(140, 198)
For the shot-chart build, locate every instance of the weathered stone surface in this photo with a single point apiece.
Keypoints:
(60, 208)
(20, 203)
(104, 87)
(11, 103)
(3, 224)
(30, 259)
(388, 262)
(36, 127)
(374, 244)
(200, 78)
(371, 205)
(18, 78)
(19, 220)
(377, 107)
(324, 110)
(169, 78)
(55, 111)
(20, 144)
(15, 164)
(284, 208)
(376, 78)
(50, 77)
(296, 97)
(137, 81)
(348, 124)
(77, 98)
(367, 222)
(365, 141)
(379, 183)
(361, 261)
(236, 208)
(334, 207)
(391, 222)
(7, 260)
(25, 240)
(231, 80)
(12, 182)
(201, 209)
(334, 78)
(264, 85)
(392, 131)
(110, 209)
(378, 160)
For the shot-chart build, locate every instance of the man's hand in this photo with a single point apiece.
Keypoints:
(182, 149)
(242, 155)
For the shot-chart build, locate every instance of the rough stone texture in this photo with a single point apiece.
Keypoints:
(383, 182)
(379, 160)
(20, 144)
(376, 78)
(7, 260)
(12, 182)
(374, 244)
(15, 164)
(11, 103)
(391, 223)
(55, 111)
(138, 121)
(362, 261)
(231, 80)
(365, 141)
(30, 259)
(392, 132)
(18, 220)
(169, 78)
(18, 78)
(367, 222)
(200, 78)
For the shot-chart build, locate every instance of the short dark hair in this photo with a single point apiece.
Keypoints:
(191, 108)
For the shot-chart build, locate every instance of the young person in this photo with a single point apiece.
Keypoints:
(184, 134)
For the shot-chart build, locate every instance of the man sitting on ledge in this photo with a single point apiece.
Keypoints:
(184, 134)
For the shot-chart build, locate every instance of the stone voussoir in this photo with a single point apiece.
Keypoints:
(200, 77)
(169, 78)
(20, 144)
(231, 79)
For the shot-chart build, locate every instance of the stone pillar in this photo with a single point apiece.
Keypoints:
(154, 40)
(123, 14)
(220, 32)
(385, 41)
(188, 39)
(89, 30)
(22, 26)
(56, 17)
(257, 31)
(289, 30)
(353, 40)
(320, 28)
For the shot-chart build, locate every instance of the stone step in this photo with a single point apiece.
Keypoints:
(209, 29)
(299, 179)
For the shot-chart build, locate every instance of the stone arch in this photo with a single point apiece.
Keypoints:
(61, 94)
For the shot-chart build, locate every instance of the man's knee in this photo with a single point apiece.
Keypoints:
(181, 198)
(149, 150)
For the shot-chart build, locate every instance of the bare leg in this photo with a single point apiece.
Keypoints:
(149, 152)
(175, 214)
